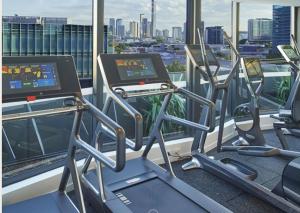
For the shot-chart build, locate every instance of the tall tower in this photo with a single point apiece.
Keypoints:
(281, 26)
(153, 18)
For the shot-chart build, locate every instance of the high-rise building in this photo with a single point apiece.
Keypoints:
(243, 35)
(166, 33)
(158, 33)
(281, 26)
(133, 29)
(146, 28)
(177, 33)
(22, 39)
(121, 31)
(120, 28)
(214, 35)
(112, 26)
(53, 20)
(259, 30)
(153, 18)
(34, 20)
(184, 32)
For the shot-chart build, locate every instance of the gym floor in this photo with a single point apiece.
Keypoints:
(269, 173)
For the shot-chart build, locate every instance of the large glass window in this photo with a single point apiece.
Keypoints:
(215, 22)
(262, 28)
(44, 28)
(49, 28)
(151, 26)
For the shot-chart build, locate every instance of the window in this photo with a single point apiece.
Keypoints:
(261, 30)
(47, 28)
(44, 28)
(150, 26)
(215, 22)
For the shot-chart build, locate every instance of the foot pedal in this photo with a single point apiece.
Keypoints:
(244, 170)
(259, 151)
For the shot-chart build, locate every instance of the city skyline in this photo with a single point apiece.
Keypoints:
(172, 14)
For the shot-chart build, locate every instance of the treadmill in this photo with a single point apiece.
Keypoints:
(143, 186)
(38, 78)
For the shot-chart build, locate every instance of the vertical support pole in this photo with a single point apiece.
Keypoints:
(295, 28)
(98, 47)
(235, 28)
(193, 21)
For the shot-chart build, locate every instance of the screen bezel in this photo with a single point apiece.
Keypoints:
(56, 87)
(112, 78)
(67, 76)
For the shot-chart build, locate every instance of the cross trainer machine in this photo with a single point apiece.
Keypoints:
(143, 186)
(237, 174)
(39, 78)
(203, 59)
(246, 116)
(289, 116)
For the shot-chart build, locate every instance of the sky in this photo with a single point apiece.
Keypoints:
(169, 12)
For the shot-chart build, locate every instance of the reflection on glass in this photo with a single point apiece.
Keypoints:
(243, 118)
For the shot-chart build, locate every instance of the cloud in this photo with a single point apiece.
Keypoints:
(169, 13)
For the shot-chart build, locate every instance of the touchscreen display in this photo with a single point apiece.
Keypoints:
(253, 67)
(197, 55)
(19, 78)
(290, 53)
(135, 69)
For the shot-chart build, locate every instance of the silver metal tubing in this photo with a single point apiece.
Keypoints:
(137, 116)
(40, 113)
(119, 132)
(184, 122)
(36, 130)
(149, 93)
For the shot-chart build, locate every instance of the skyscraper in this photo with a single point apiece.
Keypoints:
(146, 28)
(158, 33)
(120, 28)
(50, 37)
(259, 30)
(133, 29)
(214, 35)
(153, 18)
(112, 26)
(281, 26)
(165, 33)
(34, 20)
(184, 32)
(177, 33)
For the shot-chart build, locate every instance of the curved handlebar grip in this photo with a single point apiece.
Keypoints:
(138, 120)
(204, 102)
(119, 132)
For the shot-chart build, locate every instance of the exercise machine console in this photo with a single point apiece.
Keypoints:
(31, 78)
(143, 186)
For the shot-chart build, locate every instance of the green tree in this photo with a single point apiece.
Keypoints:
(119, 48)
(176, 66)
(160, 40)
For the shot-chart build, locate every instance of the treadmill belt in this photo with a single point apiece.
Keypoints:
(155, 196)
